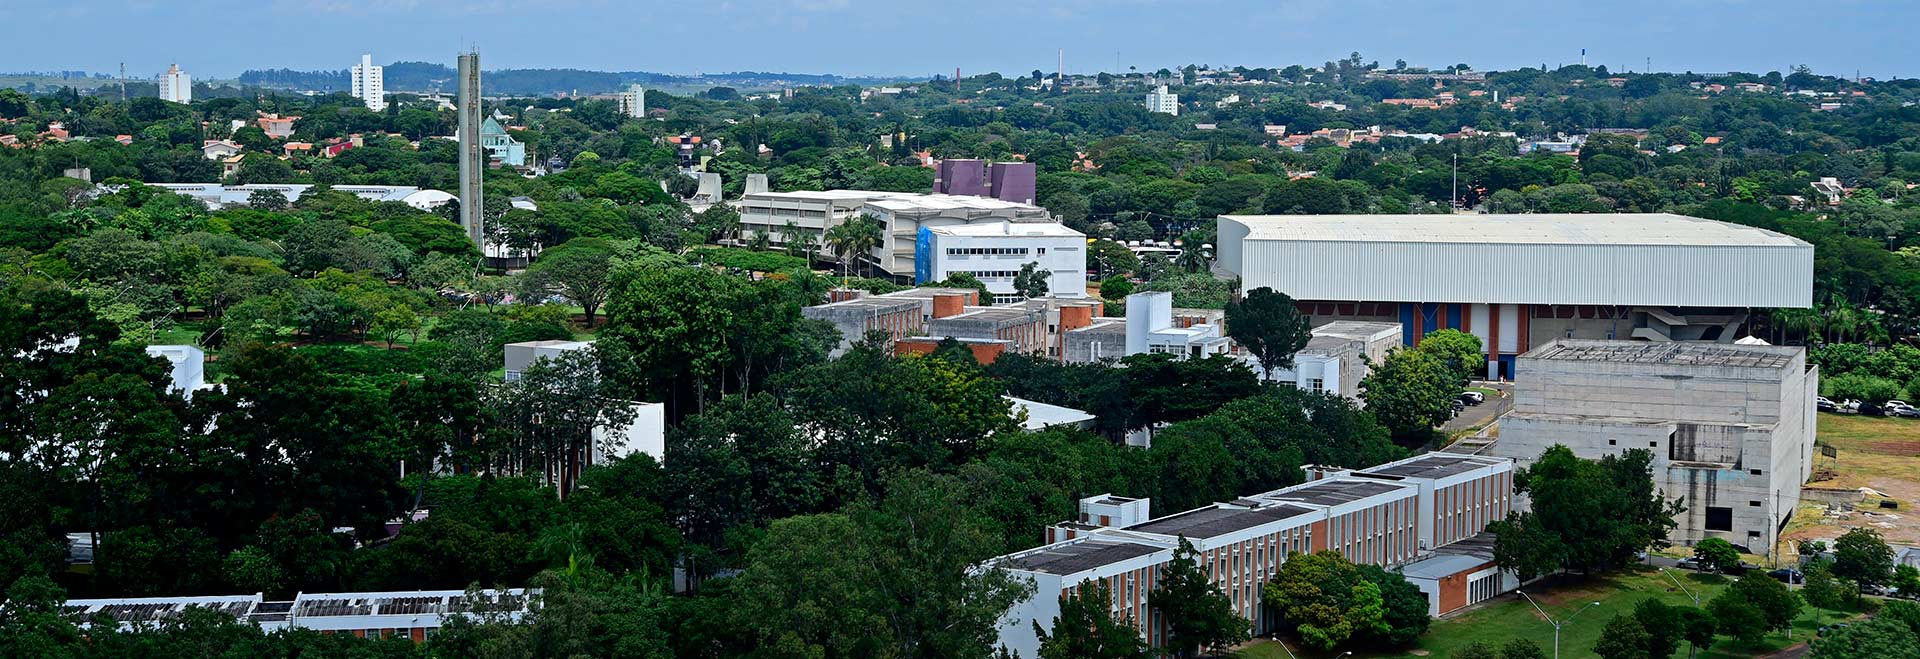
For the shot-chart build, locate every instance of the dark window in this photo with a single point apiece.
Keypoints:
(1653, 444)
(1755, 504)
(1612, 442)
(1755, 472)
(1719, 519)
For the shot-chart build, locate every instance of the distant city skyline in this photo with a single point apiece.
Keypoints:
(872, 37)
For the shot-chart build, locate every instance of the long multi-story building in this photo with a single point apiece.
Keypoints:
(1519, 281)
(414, 615)
(1731, 427)
(368, 85)
(176, 85)
(902, 215)
(1421, 515)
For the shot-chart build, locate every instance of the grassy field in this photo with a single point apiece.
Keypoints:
(1509, 617)
(1877, 452)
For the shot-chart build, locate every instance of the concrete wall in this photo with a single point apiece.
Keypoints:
(1722, 437)
(1085, 347)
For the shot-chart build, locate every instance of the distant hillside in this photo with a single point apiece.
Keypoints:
(426, 76)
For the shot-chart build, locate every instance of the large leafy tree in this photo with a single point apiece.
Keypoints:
(1087, 629)
(295, 439)
(1459, 350)
(1269, 325)
(1862, 556)
(1777, 604)
(685, 336)
(899, 578)
(740, 462)
(1717, 554)
(1586, 515)
(1873, 638)
(1410, 391)
(579, 270)
(873, 412)
(1623, 638)
(1197, 615)
(1331, 602)
(548, 417)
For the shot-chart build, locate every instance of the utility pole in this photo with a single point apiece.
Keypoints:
(123, 82)
(1454, 203)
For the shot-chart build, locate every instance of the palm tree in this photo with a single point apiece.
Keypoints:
(853, 238)
(760, 241)
(1786, 322)
(1192, 257)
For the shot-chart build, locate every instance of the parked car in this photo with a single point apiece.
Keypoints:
(1821, 403)
(1850, 406)
(1689, 564)
(1788, 575)
(1832, 628)
(1903, 411)
(1472, 397)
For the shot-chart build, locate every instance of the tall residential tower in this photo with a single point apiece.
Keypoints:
(633, 102)
(176, 85)
(367, 84)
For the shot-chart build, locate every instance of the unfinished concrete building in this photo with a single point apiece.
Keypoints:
(1023, 327)
(1731, 427)
(855, 313)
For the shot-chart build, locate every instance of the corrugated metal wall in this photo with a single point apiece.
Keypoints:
(1653, 275)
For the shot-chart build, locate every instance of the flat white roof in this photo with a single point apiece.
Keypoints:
(940, 202)
(825, 194)
(1542, 229)
(990, 229)
(1611, 259)
(1042, 415)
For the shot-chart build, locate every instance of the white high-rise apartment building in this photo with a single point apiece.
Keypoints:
(176, 85)
(1162, 101)
(367, 85)
(633, 102)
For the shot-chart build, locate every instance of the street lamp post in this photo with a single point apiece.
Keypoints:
(1683, 587)
(1557, 624)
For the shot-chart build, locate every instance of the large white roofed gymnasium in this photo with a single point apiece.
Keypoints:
(1652, 259)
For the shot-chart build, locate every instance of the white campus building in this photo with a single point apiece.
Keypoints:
(994, 252)
(1163, 102)
(1422, 516)
(633, 102)
(367, 83)
(902, 215)
(176, 85)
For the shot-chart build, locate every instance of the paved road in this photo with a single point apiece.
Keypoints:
(1479, 415)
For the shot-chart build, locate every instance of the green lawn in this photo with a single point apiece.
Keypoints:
(179, 334)
(1509, 616)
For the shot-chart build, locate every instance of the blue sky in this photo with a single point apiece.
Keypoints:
(912, 37)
